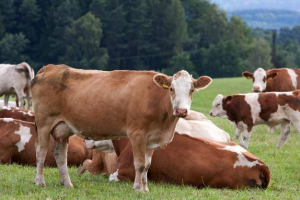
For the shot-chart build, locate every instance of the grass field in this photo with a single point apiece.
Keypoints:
(16, 182)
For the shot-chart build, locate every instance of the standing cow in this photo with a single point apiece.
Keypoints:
(248, 110)
(141, 105)
(274, 80)
(15, 79)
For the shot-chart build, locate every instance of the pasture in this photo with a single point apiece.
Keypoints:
(16, 182)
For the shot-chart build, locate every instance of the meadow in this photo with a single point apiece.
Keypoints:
(16, 182)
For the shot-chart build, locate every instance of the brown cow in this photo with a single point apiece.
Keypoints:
(197, 162)
(17, 145)
(17, 113)
(248, 110)
(274, 80)
(142, 105)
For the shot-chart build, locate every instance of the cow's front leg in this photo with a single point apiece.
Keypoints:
(285, 131)
(149, 154)
(138, 142)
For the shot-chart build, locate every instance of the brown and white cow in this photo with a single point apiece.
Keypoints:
(196, 162)
(17, 145)
(274, 80)
(17, 113)
(141, 105)
(248, 110)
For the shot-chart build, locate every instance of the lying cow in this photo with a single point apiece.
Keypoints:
(274, 80)
(248, 110)
(15, 79)
(17, 145)
(141, 105)
(197, 126)
(196, 162)
(17, 113)
(202, 129)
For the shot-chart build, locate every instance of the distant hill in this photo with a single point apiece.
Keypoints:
(268, 19)
(230, 5)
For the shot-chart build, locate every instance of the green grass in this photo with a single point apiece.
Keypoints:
(16, 182)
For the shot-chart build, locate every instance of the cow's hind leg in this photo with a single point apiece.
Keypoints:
(147, 166)
(6, 98)
(285, 131)
(61, 134)
(41, 152)
(138, 142)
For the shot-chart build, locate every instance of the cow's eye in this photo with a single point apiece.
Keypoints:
(171, 89)
(218, 105)
(192, 90)
(264, 80)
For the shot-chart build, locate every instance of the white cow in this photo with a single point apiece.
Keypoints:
(15, 79)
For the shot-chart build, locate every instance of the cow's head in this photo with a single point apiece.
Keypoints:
(181, 87)
(217, 106)
(259, 78)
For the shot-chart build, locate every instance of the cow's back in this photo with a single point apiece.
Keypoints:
(285, 81)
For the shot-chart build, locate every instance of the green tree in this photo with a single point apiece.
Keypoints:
(259, 56)
(12, 48)
(179, 62)
(83, 44)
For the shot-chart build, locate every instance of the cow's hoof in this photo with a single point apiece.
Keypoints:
(81, 170)
(40, 183)
(138, 188)
(67, 185)
(146, 189)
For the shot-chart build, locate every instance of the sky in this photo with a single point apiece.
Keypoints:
(258, 4)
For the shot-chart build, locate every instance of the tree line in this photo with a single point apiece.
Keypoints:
(160, 35)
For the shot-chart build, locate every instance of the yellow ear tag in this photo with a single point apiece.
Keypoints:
(165, 86)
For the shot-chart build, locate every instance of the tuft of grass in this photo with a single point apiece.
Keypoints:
(16, 182)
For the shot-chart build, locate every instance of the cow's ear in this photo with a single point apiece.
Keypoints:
(227, 100)
(202, 82)
(247, 75)
(162, 81)
(272, 75)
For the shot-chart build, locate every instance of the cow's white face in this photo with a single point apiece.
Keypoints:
(217, 107)
(181, 87)
(259, 78)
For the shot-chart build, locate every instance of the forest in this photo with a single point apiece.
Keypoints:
(160, 35)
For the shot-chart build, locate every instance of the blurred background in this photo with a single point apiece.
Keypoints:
(219, 38)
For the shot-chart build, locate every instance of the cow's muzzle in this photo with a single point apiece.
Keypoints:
(181, 112)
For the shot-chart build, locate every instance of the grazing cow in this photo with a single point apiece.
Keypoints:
(248, 110)
(15, 79)
(17, 113)
(141, 105)
(17, 145)
(274, 80)
(196, 162)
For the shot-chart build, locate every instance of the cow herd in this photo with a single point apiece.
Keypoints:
(111, 122)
